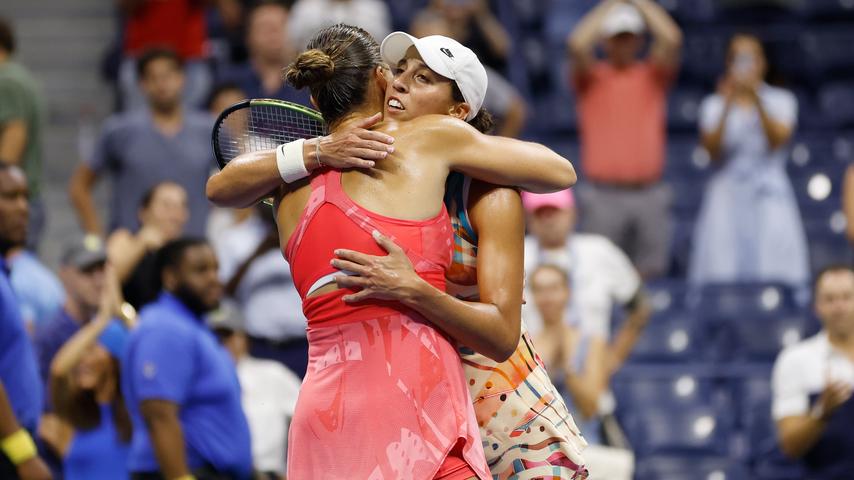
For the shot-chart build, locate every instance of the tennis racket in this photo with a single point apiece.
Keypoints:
(262, 124)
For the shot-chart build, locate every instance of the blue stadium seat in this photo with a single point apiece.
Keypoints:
(663, 386)
(687, 197)
(691, 468)
(689, 430)
(691, 11)
(828, 248)
(760, 338)
(741, 300)
(669, 337)
(767, 460)
(686, 160)
(827, 49)
(683, 236)
(683, 107)
(825, 9)
(818, 187)
(836, 100)
(666, 294)
(704, 52)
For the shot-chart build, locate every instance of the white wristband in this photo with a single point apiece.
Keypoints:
(290, 161)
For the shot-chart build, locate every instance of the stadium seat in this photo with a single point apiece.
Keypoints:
(686, 160)
(740, 299)
(669, 337)
(766, 459)
(663, 386)
(760, 338)
(666, 294)
(827, 49)
(836, 100)
(825, 9)
(687, 197)
(828, 248)
(683, 107)
(664, 429)
(691, 468)
(704, 52)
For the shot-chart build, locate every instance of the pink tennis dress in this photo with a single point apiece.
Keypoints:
(384, 396)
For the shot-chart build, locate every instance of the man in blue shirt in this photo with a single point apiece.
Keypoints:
(180, 385)
(20, 388)
(270, 52)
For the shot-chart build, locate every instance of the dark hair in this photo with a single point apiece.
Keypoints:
(483, 121)
(149, 194)
(7, 36)
(81, 410)
(221, 88)
(336, 66)
(834, 268)
(171, 254)
(564, 275)
(153, 54)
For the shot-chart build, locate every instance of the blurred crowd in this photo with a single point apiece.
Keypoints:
(90, 361)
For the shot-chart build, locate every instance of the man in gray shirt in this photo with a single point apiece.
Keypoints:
(141, 148)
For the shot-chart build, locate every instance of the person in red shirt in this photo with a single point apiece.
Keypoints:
(621, 105)
(178, 25)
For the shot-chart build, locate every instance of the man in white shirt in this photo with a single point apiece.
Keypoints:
(269, 394)
(813, 381)
(601, 275)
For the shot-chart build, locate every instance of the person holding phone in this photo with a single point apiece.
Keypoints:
(749, 227)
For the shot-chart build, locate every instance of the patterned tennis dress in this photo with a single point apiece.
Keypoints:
(526, 429)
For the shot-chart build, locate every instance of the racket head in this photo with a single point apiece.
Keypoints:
(262, 124)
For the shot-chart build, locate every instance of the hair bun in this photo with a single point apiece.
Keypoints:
(310, 69)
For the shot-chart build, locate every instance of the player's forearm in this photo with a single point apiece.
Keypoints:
(483, 327)
(799, 434)
(245, 180)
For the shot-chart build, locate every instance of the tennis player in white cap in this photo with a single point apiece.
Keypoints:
(525, 427)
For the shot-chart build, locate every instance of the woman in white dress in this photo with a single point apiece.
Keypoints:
(749, 227)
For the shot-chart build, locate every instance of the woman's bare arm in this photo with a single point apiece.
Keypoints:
(491, 326)
(848, 202)
(502, 161)
(253, 176)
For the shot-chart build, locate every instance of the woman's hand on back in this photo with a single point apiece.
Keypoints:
(352, 147)
(388, 277)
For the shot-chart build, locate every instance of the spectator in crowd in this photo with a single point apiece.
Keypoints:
(270, 52)
(601, 274)
(309, 16)
(162, 216)
(223, 96)
(180, 385)
(749, 227)
(142, 148)
(178, 25)
(21, 121)
(269, 394)
(621, 110)
(502, 99)
(813, 381)
(21, 393)
(85, 391)
(848, 203)
(473, 24)
(255, 276)
(578, 364)
(39, 293)
(82, 273)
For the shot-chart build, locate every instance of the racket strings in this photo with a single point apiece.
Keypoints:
(264, 127)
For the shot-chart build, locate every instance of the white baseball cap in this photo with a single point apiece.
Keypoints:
(445, 56)
(623, 18)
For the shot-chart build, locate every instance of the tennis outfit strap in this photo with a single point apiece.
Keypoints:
(315, 200)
